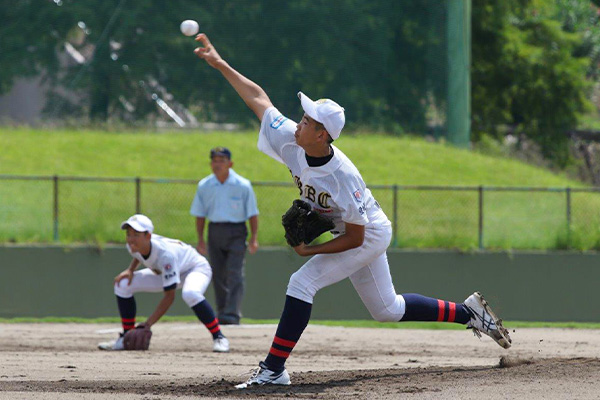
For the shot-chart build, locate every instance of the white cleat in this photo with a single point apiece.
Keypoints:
(264, 376)
(221, 345)
(484, 320)
(112, 345)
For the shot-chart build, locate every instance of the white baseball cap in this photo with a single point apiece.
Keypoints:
(325, 111)
(139, 223)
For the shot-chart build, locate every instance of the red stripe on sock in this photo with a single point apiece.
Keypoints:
(215, 329)
(451, 311)
(210, 325)
(279, 353)
(283, 342)
(441, 309)
(127, 323)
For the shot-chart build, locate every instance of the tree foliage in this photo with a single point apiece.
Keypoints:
(385, 61)
(529, 72)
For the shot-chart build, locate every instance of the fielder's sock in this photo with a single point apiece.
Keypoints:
(422, 308)
(206, 315)
(294, 318)
(127, 309)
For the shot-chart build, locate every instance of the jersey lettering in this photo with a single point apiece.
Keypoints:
(309, 193)
(170, 275)
(323, 200)
(298, 182)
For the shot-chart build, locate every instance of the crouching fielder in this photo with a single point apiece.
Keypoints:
(170, 265)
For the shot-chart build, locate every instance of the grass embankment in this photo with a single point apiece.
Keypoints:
(92, 211)
(344, 323)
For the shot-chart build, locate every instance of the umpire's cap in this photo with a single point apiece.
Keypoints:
(139, 223)
(220, 151)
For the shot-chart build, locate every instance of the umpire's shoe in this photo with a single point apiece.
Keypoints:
(113, 344)
(484, 320)
(264, 376)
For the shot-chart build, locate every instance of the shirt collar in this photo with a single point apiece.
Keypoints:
(231, 178)
(326, 169)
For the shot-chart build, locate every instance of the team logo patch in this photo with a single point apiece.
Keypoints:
(357, 196)
(277, 122)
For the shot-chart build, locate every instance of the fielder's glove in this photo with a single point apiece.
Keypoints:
(302, 224)
(138, 338)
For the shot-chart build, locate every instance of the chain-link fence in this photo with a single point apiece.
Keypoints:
(84, 209)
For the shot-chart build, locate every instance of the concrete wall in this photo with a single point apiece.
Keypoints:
(25, 101)
(77, 281)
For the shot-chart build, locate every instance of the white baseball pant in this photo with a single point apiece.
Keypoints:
(366, 266)
(193, 284)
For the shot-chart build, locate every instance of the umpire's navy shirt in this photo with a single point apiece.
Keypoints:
(232, 201)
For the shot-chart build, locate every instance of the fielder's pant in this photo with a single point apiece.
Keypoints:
(366, 266)
(193, 285)
(226, 251)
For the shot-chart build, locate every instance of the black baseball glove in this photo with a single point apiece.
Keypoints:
(302, 224)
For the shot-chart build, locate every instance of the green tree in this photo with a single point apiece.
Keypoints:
(128, 42)
(384, 61)
(581, 16)
(527, 73)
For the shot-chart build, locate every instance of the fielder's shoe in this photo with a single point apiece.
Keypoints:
(264, 376)
(484, 320)
(113, 344)
(221, 345)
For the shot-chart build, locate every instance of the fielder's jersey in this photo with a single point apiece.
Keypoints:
(169, 258)
(335, 189)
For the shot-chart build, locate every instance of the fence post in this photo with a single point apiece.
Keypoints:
(395, 217)
(137, 195)
(568, 192)
(480, 217)
(55, 209)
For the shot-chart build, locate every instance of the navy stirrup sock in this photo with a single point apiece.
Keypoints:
(127, 309)
(294, 318)
(206, 315)
(422, 308)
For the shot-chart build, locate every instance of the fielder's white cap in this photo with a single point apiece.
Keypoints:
(139, 223)
(325, 111)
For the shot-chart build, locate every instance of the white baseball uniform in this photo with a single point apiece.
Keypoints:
(337, 190)
(171, 264)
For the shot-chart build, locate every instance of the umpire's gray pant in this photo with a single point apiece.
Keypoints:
(226, 251)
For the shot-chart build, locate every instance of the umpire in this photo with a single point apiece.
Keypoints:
(227, 200)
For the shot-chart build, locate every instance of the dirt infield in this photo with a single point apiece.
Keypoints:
(60, 361)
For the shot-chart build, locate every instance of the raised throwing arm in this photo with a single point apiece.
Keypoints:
(253, 95)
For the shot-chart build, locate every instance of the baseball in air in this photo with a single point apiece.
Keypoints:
(189, 27)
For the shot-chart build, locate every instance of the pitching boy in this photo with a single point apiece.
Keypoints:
(170, 265)
(331, 184)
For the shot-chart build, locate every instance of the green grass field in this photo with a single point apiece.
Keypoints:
(92, 211)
